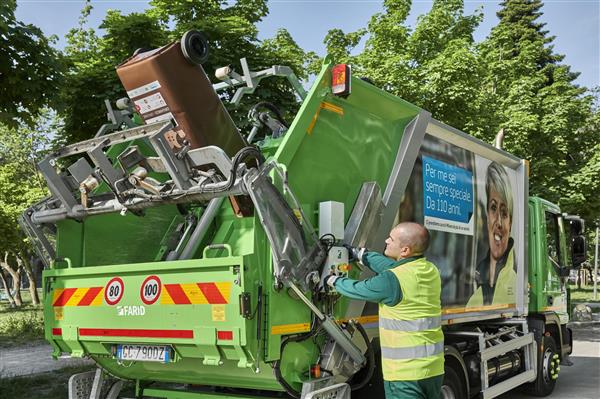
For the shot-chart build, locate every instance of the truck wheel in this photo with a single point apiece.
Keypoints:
(548, 367)
(453, 386)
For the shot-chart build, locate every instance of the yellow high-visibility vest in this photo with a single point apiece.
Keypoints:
(412, 341)
(504, 291)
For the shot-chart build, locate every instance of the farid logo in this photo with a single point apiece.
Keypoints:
(135, 310)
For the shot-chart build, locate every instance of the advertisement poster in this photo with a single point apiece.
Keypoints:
(468, 204)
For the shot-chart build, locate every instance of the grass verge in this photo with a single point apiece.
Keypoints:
(21, 325)
(584, 294)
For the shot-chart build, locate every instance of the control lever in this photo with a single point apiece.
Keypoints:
(333, 329)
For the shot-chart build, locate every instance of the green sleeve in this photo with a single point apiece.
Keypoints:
(382, 288)
(378, 262)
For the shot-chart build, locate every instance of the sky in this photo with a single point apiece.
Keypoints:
(575, 23)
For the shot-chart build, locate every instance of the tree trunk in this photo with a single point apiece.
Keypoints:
(16, 279)
(23, 262)
(11, 300)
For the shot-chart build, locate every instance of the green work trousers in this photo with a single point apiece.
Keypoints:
(427, 388)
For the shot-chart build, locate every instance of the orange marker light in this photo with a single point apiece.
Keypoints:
(340, 80)
(315, 371)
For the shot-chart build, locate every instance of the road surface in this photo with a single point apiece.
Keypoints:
(33, 359)
(582, 380)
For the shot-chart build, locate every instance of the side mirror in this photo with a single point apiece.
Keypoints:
(578, 251)
(576, 224)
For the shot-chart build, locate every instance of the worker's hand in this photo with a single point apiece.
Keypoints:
(354, 253)
(330, 280)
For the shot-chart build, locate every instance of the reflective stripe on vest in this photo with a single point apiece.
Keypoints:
(425, 323)
(414, 352)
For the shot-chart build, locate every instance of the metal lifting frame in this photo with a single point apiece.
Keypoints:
(251, 80)
(296, 257)
(61, 187)
(296, 251)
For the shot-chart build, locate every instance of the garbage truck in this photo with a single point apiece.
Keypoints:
(188, 255)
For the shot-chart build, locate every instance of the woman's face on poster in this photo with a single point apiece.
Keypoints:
(498, 224)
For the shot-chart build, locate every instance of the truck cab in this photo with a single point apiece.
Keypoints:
(556, 245)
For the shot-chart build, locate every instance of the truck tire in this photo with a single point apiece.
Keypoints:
(547, 367)
(453, 385)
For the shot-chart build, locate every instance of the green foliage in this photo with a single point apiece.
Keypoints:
(584, 182)
(513, 80)
(30, 69)
(22, 324)
(434, 67)
(91, 74)
(339, 44)
(583, 294)
(20, 182)
(533, 97)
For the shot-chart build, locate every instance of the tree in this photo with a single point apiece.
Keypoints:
(435, 66)
(232, 34)
(15, 273)
(532, 96)
(91, 62)
(513, 81)
(584, 183)
(30, 68)
(11, 300)
(230, 29)
(20, 150)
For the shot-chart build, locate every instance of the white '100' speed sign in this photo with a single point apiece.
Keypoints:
(150, 290)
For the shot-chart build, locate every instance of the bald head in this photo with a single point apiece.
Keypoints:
(407, 239)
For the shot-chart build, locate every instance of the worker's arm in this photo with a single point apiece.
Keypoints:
(378, 262)
(382, 288)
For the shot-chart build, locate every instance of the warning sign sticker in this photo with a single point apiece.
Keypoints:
(150, 290)
(150, 103)
(113, 292)
(138, 91)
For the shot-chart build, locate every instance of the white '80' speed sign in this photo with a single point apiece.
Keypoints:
(113, 292)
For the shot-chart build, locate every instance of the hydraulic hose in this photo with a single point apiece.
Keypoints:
(370, 355)
(271, 107)
(276, 365)
(237, 159)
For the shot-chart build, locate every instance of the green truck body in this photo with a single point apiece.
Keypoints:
(223, 314)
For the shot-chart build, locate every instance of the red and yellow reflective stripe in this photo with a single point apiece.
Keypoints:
(91, 296)
(196, 294)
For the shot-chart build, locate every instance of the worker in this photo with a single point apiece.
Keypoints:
(495, 275)
(407, 288)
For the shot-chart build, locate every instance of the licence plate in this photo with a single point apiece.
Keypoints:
(145, 353)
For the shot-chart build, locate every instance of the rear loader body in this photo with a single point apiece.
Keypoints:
(178, 252)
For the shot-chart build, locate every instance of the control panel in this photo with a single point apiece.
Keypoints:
(336, 263)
